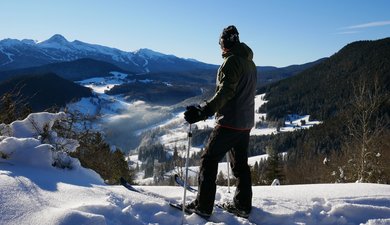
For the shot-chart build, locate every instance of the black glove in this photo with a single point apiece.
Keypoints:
(195, 113)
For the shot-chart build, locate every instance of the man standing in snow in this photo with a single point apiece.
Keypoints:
(233, 104)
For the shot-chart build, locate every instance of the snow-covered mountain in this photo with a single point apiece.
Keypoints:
(16, 54)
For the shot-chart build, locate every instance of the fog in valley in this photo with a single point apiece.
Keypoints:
(125, 130)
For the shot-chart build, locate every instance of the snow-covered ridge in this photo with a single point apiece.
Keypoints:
(58, 49)
(60, 42)
(148, 53)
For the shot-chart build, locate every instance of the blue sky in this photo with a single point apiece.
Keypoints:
(280, 32)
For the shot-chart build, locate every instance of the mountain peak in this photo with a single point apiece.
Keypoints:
(57, 38)
(148, 53)
(57, 41)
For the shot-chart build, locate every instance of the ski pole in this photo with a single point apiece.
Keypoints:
(186, 170)
(228, 170)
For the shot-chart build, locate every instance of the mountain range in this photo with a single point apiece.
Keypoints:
(79, 60)
(17, 54)
(76, 61)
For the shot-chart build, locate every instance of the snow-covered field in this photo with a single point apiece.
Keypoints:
(33, 195)
(32, 191)
(101, 84)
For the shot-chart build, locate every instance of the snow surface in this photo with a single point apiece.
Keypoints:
(32, 191)
(102, 84)
(31, 195)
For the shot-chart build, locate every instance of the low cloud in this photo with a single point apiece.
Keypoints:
(124, 130)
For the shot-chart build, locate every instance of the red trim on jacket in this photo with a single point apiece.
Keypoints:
(233, 128)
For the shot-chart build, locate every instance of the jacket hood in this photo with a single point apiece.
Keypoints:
(240, 49)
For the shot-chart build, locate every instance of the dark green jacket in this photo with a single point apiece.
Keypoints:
(233, 100)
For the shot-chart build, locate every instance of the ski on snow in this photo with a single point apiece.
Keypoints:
(219, 205)
(181, 182)
(171, 202)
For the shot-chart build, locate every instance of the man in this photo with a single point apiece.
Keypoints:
(233, 104)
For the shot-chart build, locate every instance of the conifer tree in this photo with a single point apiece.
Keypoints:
(274, 165)
(255, 174)
(13, 106)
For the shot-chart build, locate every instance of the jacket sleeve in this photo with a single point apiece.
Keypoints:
(228, 79)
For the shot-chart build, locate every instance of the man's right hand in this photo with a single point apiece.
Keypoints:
(195, 113)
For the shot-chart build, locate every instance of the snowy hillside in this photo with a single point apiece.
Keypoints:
(32, 191)
(174, 133)
(121, 121)
(178, 128)
(124, 122)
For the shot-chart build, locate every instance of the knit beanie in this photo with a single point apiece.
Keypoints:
(229, 37)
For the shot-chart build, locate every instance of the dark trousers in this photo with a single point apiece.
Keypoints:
(221, 141)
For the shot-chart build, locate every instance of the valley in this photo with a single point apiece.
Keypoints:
(140, 111)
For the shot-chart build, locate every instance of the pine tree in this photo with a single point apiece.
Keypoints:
(13, 106)
(96, 154)
(274, 166)
(255, 174)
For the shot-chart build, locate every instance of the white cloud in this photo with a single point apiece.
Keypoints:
(349, 32)
(367, 25)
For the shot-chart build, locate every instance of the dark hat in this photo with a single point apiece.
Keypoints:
(229, 37)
